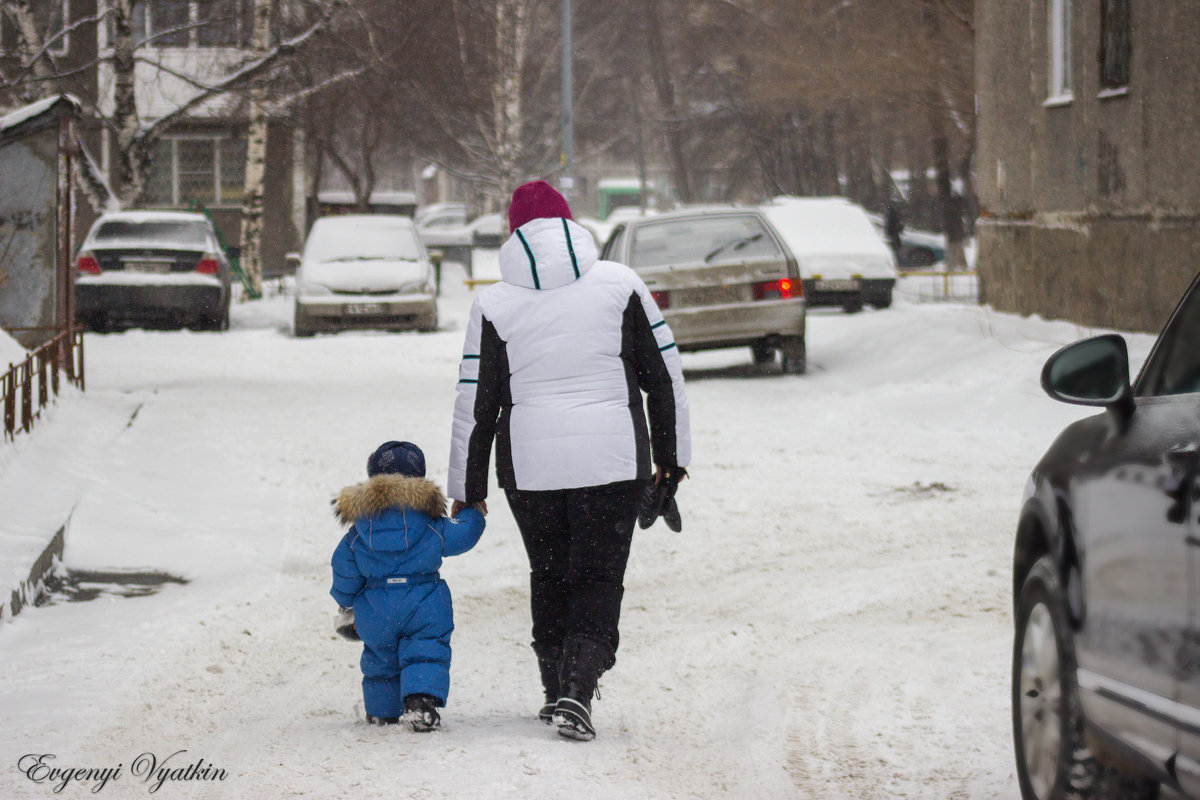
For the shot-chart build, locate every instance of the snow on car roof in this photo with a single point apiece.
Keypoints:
(154, 216)
(820, 225)
(364, 221)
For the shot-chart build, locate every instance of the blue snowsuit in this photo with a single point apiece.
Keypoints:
(386, 568)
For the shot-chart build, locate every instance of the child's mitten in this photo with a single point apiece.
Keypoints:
(344, 624)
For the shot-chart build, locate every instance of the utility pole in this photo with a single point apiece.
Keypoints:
(567, 181)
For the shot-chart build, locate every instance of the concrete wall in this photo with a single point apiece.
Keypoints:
(1089, 208)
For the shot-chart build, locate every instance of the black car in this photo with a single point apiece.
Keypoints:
(1106, 571)
(163, 269)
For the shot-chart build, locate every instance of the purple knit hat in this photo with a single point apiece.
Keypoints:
(535, 200)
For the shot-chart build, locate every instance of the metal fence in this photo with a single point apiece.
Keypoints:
(30, 385)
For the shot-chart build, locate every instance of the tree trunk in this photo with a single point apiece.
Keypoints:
(129, 158)
(256, 159)
(29, 43)
(512, 40)
(948, 205)
(672, 122)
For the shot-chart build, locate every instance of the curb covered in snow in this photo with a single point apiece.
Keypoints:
(28, 590)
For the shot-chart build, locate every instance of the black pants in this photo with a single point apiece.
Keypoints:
(578, 542)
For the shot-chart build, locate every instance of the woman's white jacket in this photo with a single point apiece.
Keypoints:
(555, 362)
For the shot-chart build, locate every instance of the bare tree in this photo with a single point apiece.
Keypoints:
(135, 137)
(254, 186)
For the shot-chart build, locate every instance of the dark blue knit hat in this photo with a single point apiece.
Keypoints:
(397, 458)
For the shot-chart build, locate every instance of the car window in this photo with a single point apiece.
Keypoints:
(613, 245)
(709, 240)
(1174, 364)
(174, 232)
(363, 241)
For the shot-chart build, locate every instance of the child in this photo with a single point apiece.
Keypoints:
(385, 568)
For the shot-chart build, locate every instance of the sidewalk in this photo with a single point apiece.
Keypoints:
(43, 474)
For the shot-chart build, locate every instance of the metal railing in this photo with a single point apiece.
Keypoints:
(30, 385)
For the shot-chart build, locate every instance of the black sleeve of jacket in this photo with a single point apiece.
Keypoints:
(654, 379)
(492, 388)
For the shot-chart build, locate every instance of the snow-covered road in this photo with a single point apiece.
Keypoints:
(834, 621)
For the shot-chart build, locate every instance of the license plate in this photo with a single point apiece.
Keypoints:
(845, 285)
(153, 267)
(364, 308)
(710, 296)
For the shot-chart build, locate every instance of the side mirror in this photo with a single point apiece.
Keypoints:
(436, 257)
(1091, 372)
(292, 258)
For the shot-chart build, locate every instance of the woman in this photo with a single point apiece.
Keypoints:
(556, 358)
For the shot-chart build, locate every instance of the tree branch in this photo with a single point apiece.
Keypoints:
(248, 72)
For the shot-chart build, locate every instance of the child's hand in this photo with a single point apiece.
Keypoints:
(459, 505)
(344, 624)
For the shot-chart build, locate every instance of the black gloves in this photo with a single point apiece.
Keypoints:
(659, 500)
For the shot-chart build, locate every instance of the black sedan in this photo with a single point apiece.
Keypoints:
(1106, 569)
(162, 269)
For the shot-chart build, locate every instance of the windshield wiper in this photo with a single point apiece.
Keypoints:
(736, 244)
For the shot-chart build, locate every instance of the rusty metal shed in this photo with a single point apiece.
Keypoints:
(41, 158)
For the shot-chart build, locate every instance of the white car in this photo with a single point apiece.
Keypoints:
(364, 271)
(441, 215)
(842, 260)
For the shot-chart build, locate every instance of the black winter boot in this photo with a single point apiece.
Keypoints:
(584, 661)
(420, 712)
(382, 720)
(549, 658)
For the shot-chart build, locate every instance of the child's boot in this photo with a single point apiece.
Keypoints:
(420, 712)
(382, 720)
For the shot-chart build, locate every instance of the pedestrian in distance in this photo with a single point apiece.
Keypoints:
(555, 362)
(385, 569)
(893, 226)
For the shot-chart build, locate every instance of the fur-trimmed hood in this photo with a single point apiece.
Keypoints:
(388, 491)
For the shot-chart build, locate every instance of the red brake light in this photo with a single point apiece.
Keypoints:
(88, 264)
(661, 299)
(208, 265)
(778, 290)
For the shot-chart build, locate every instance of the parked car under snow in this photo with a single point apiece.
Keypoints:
(152, 268)
(364, 271)
(842, 260)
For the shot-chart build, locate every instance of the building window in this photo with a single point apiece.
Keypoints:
(1059, 26)
(191, 23)
(49, 16)
(188, 169)
(225, 23)
(1116, 44)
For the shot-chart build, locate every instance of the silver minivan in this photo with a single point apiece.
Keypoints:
(722, 277)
